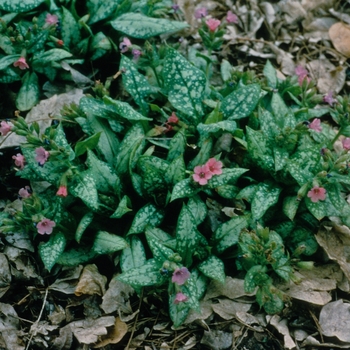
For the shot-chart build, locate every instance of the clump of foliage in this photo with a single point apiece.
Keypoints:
(151, 177)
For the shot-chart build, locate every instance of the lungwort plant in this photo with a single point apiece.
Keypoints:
(186, 181)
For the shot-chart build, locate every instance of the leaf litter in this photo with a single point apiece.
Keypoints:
(78, 309)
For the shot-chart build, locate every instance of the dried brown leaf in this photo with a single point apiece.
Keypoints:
(68, 282)
(64, 340)
(5, 274)
(340, 36)
(311, 341)
(115, 335)
(216, 339)
(227, 309)
(91, 282)
(282, 326)
(205, 312)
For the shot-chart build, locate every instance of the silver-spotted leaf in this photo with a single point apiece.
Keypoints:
(198, 209)
(177, 145)
(19, 5)
(140, 26)
(270, 74)
(241, 102)
(101, 10)
(28, 95)
(105, 243)
(290, 206)
(178, 312)
(185, 85)
(265, 197)
(70, 29)
(160, 252)
(85, 221)
(183, 189)
(213, 268)
(123, 208)
(52, 249)
(176, 171)
(228, 176)
(134, 255)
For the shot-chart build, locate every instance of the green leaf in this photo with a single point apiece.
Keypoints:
(61, 141)
(226, 70)
(270, 298)
(51, 56)
(281, 156)
(51, 250)
(241, 102)
(90, 143)
(100, 45)
(268, 124)
(183, 189)
(147, 215)
(178, 312)
(185, 84)
(176, 171)
(124, 110)
(319, 209)
(160, 252)
(186, 235)
(227, 191)
(265, 197)
(162, 237)
(135, 83)
(105, 243)
(134, 255)
(70, 29)
(147, 274)
(198, 209)
(84, 187)
(190, 290)
(203, 155)
(255, 276)
(100, 9)
(85, 221)
(123, 208)
(106, 179)
(207, 129)
(8, 60)
(140, 26)
(177, 145)
(213, 268)
(270, 74)
(290, 206)
(28, 95)
(19, 5)
(228, 176)
(76, 256)
(227, 234)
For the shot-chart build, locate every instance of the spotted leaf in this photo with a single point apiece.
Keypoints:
(160, 252)
(241, 102)
(177, 145)
(176, 171)
(178, 312)
(134, 255)
(185, 85)
(106, 243)
(28, 95)
(51, 250)
(19, 6)
(85, 221)
(183, 189)
(140, 26)
(122, 209)
(213, 268)
(228, 176)
(198, 209)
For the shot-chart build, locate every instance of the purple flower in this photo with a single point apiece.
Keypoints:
(329, 98)
(51, 19)
(5, 128)
(19, 160)
(316, 125)
(180, 276)
(317, 194)
(25, 192)
(180, 298)
(124, 45)
(302, 74)
(346, 143)
(231, 17)
(21, 63)
(175, 7)
(202, 174)
(41, 155)
(45, 226)
(136, 53)
(214, 166)
(213, 24)
(201, 12)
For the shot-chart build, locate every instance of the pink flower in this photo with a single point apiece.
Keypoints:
(175, 8)
(124, 45)
(180, 276)
(45, 226)
(202, 174)
(302, 73)
(214, 166)
(180, 298)
(19, 160)
(201, 12)
(21, 63)
(317, 194)
(231, 17)
(136, 54)
(25, 192)
(173, 119)
(316, 125)
(62, 191)
(51, 19)
(329, 98)
(5, 128)
(346, 143)
(41, 155)
(212, 24)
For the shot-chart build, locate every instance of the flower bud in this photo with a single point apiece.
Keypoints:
(306, 265)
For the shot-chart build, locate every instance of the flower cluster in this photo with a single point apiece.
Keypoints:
(205, 172)
(180, 276)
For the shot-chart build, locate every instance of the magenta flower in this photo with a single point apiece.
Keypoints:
(180, 276)
(136, 54)
(21, 63)
(202, 174)
(231, 17)
(51, 19)
(316, 125)
(25, 192)
(19, 160)
(201, 12)
(5, 128)
(214, 166)
(180, 298)
(317, 194)
(173, 118)
(213, 24)
(62, 191)
(302, 74)
(45, 226)
(346, 143)
(175, 8)
(329, 98)
(124, 45)
(41, 155)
